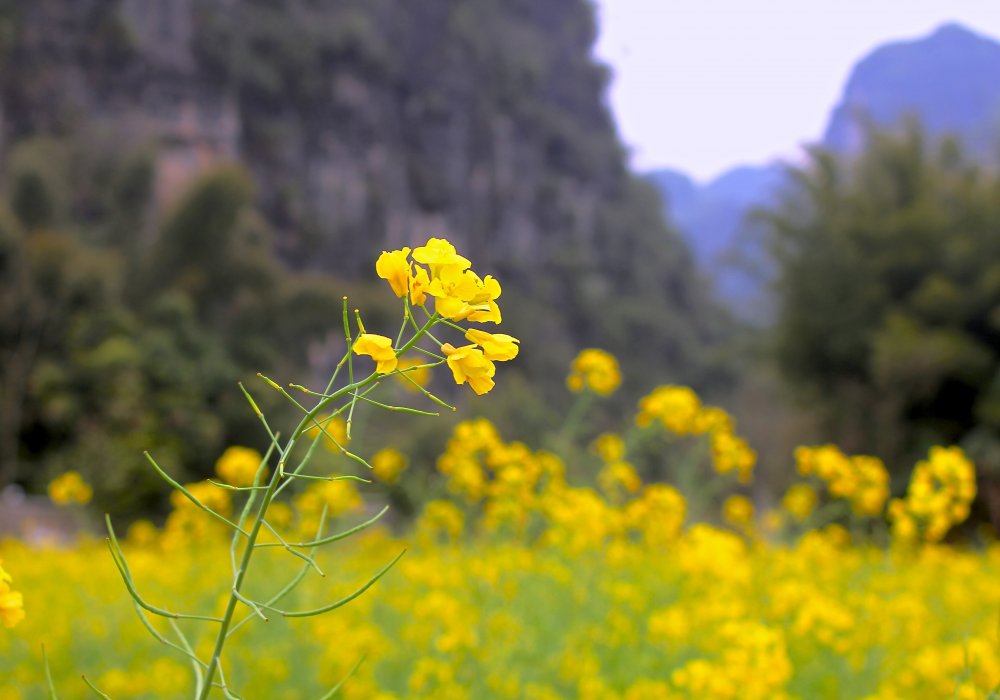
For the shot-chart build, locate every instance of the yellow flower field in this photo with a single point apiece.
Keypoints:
(520, 585)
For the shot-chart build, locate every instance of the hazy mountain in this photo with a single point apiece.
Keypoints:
(712, 216)
(949, 80)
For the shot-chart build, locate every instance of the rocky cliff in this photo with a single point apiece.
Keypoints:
(370, 124)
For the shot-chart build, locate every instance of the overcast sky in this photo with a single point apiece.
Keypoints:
(702, 85)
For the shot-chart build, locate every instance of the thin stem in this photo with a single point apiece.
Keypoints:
(331, 538)
(234, 596)
(346, 599)
(166, 477)
(95, 689)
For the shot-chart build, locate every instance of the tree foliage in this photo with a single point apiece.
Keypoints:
(112, 347)
(889, 296)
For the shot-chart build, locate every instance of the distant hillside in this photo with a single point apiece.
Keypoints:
(712, 217)
(949, 80)
(372, 124)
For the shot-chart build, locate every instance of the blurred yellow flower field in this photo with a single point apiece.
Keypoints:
(520, 584)
(534, 573)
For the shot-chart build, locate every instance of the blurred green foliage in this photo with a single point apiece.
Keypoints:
(889, 295)
(113, 344)
(360, 125)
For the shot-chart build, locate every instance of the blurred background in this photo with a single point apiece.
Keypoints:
(797, 215)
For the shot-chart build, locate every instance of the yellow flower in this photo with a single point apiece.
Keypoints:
(489, 314)
(338, 497)
(738, 511)
(468, 364)
(679, 410)
(334, 432)
(238, 465)
(441, 517)
(799, 500)
(615, 476)
(208, 494)
(462, 295)
(379, 348)
(11, 606)
(732, 453)
(70, 488)
(394, 267)
(498, 347)
(595, 370)
(440, 254)
(609, 446)
(11, 602)
(388, 463)
(419, 283)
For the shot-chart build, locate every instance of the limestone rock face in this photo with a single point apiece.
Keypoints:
(371, 124)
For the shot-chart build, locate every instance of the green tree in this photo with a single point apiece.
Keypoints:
(889, 295)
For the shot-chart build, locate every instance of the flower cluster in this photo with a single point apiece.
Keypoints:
(861, 480)
(436, 270)
(800, 501)
(238, 466)
(513, 489)
(940, 492)
(68, 488)
(595, 370)
(738, 511)
(747, 660)
(618, 478)
(11, 601)
(715, 618)
(679, 411)
(388, 464)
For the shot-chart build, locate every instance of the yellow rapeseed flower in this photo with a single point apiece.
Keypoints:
(461, 295)
(388, 463)
(439, 254)
(208, 494)
(609, 446)
(799, 501)
(395, 268)
(738, 512)
(333, 430)
(11, 607)
(441, 517)
(595, 370)
(11, 601)
(420, 281)
(678, 409)
(238, 465)
(469, 364)
(498, 347)
(379, 348)
(68, 488)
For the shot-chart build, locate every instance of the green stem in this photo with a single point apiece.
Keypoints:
(235, 597)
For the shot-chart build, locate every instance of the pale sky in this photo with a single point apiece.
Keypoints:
(703, 85)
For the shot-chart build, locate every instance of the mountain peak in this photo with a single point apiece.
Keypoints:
(948, 78)
(950, 30)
